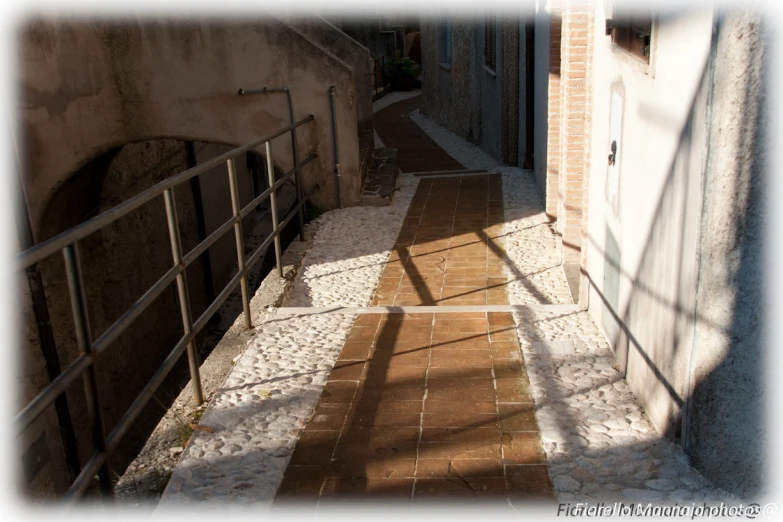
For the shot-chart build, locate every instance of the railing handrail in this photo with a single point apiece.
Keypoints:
(90, 350)
(51, 246)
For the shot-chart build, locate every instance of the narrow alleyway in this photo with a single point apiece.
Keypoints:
(417, 151)
(514, 397)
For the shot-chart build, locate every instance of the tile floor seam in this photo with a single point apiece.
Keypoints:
(445, 265)
(423, 408)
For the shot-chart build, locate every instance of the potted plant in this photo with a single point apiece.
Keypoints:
(402, 74)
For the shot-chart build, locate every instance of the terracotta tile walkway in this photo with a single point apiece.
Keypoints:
(422, 405)
(449, 251)
(417, 152)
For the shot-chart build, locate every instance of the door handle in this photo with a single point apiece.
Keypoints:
(613, 155)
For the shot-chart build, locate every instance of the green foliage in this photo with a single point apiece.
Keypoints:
(312, 212)
(402, 68)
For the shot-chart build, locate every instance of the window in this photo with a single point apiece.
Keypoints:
(490, 33)
(631, 31)
(444, 42)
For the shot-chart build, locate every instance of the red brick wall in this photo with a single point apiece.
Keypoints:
(553, 110)
(569, 125)
(583, 285)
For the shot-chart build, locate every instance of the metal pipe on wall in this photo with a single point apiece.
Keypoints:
(297, 180)
(332, 92)
(273, 207)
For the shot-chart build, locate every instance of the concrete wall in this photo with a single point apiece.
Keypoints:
(727, 422)
(368, 33)
(87, 87)
(356, 55)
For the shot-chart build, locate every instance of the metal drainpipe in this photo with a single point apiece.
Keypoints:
(332, 92)
(299, 189)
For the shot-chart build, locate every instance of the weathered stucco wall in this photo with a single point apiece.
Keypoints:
(99, 100)
(472, 100)
(449, 94)
(346, 49)
(89, 86)
(728, 414)
(490, 87)
(642, 240)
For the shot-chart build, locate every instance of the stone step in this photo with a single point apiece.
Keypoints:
(381, 178)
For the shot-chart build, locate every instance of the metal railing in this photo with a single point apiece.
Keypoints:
(84, 365)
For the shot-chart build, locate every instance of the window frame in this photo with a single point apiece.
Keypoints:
(490, 42)
(632, 31)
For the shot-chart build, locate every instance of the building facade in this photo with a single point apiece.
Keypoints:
(645, 132)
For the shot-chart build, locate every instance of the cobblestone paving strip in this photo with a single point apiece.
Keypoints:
(533, 260)
(599, 443)
(266, 400)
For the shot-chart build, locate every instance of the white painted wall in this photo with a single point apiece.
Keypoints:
(656, 221)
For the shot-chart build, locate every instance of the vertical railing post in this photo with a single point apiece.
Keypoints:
(297, 183)
(299, 190)
(297, 179)
(81, 322)
(182, 292)
(239, 240)
(270, 170)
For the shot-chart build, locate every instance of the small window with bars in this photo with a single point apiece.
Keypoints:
(490, 36)
(631, 31)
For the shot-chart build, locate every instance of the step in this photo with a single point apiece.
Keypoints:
(381, 178)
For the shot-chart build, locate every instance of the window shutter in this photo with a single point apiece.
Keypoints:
(631, 31)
